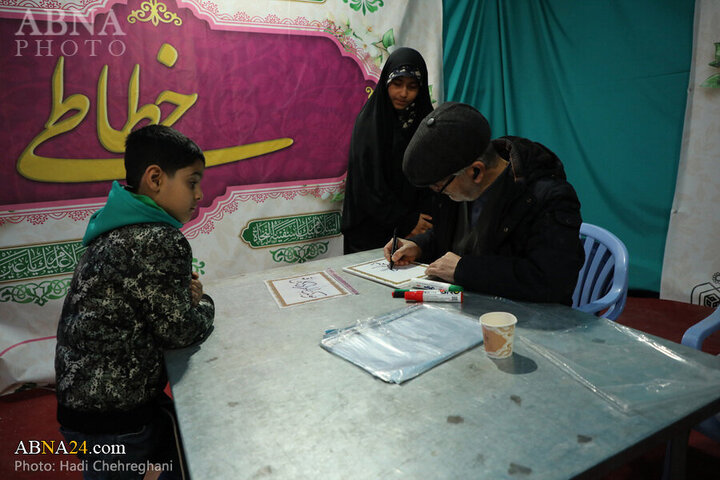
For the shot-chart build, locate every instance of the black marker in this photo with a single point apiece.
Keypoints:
(394, 247)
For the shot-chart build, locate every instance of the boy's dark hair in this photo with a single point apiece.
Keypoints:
(158, 145)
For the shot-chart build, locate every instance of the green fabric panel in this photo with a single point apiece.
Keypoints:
(602, 83)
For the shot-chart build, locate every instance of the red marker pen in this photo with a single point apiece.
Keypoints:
(434, 296)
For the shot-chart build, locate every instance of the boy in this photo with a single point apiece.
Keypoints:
(132, 296)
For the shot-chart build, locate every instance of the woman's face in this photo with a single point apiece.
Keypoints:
(402, 91)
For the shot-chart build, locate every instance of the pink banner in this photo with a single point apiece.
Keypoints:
(265, 104)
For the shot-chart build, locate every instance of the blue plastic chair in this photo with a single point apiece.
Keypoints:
(603, 281)
(675, 453)
(694, 337)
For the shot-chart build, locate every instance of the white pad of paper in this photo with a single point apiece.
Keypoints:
(379, 271)
(312, 287)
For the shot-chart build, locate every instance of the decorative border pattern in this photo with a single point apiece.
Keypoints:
(38, 216)
(299, 253)
(370, 6)
(197, 266)
(45, 9)
(713, 81)
(269, 232)
(230, 201)
(37, 261)
(329, 189)
(209, 11)
(39, 293)
(155, 12)
(341, 34)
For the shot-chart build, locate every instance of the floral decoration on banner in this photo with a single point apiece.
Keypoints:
(154, 11)
(36, 218)
(713, 81)
(299, 253)
(374, 48)
(370, 49)
(197, 266)
(39, 293)
(230, 204)
(371, 6)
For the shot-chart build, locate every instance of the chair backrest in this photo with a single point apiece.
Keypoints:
(696, 335)
(603, 281)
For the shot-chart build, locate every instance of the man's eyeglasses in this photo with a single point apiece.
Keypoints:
(448, 182)
(452, 177)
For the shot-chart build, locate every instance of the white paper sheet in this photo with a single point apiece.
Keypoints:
(379, 271)
(311, 287)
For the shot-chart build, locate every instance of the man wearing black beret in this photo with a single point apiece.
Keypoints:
(512, 228)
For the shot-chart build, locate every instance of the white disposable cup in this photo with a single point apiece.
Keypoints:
(498, 333)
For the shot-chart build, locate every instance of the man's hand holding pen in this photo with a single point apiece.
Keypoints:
(407, 251)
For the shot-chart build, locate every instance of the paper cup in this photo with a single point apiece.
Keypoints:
(498, 332)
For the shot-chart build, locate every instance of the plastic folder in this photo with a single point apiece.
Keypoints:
(402, 344)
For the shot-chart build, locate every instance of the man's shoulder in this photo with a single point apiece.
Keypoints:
(547, 188)
(531, 162)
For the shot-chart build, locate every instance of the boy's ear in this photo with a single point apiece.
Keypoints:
(152, 178)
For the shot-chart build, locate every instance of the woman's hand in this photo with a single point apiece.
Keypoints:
(424, 223)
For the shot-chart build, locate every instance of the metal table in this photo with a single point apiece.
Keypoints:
(261, 398)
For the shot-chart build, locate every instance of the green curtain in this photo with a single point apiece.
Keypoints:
(602, 83)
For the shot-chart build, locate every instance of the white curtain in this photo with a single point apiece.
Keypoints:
(691, 267)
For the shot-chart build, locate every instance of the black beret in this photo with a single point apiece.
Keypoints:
(451, 137)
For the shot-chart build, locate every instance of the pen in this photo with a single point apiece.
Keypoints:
(400, 292)
(394, 247)
(434, 296)
(424, 283)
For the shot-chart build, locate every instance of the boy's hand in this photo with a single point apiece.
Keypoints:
(196, 289)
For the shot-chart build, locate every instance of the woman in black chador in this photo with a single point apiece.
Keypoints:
(378, 197)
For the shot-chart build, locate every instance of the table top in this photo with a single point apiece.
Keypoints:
(260, 397)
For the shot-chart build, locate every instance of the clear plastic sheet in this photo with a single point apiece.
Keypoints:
(605, 356)
(404, 343)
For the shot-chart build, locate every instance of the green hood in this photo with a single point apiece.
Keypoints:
(125, 208)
